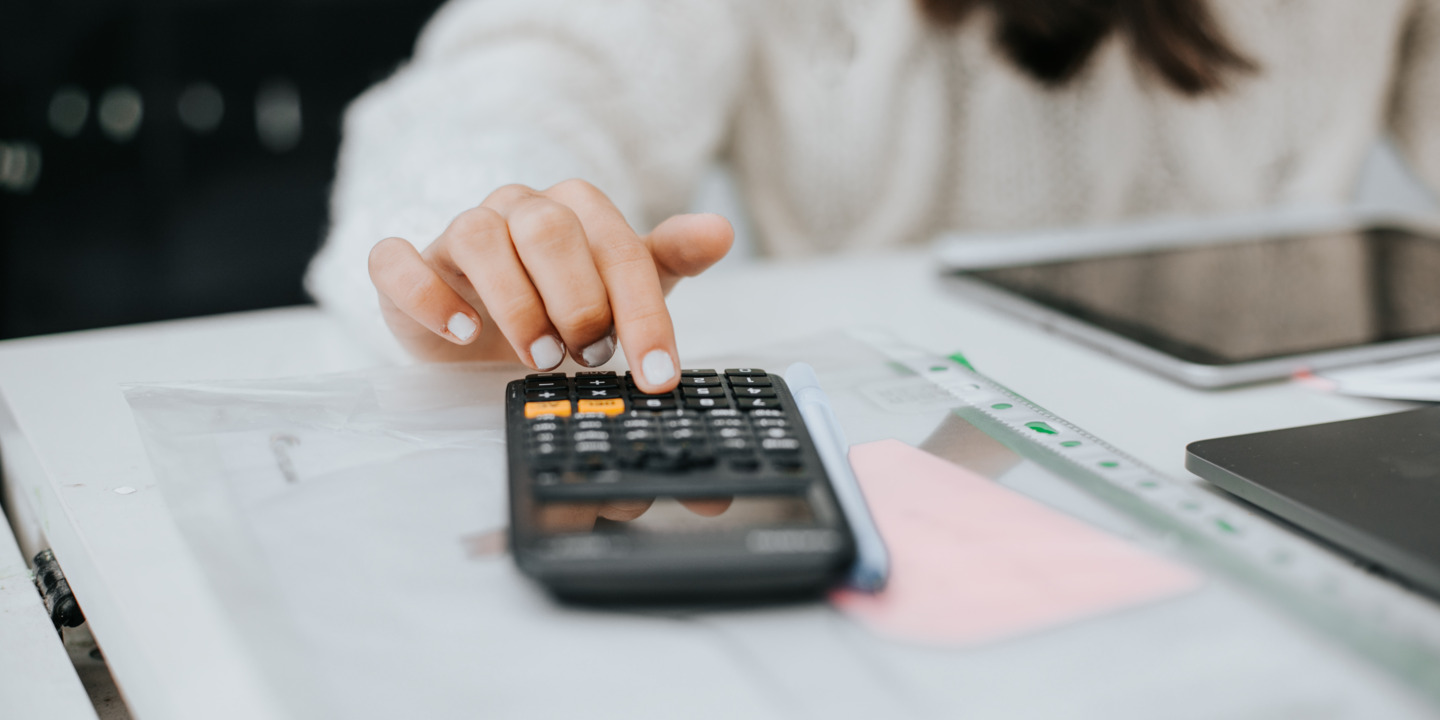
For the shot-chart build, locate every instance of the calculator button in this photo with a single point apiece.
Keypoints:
(592, 447)
(558, 408)
(701, 381)
(758, 403)
(780, 445)
(691, 392)
(688, 421)
(543, 437)
(744, 464)
(556, 385)
(725, 421)
(697, 373)
(707, 403)
(768, 422)
(764, 392)
(597, 382)
(546, 376)
(774, 433)
(539, 426)
(633, 421)
(591, 374)
(730, 432)
(612, 406)
(749, 380)
(587, 435)
(736, 445)
(749, 372)
(653, 402)
(683, 433)
(766, 412)
(546, 394)
(597, 393)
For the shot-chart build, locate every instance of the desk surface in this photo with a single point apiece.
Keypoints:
(69, 440)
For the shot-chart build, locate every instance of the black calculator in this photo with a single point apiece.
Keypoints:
(712, 490)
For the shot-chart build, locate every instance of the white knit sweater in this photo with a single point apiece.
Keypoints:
(854, 123)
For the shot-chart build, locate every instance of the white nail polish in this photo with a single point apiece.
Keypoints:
(547, 352)
(599, 351)
(658, 367)
(461, 326)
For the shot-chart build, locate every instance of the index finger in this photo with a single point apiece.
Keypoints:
(632, 282)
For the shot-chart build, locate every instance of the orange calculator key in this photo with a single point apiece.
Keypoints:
(554, 407)
(613, 406)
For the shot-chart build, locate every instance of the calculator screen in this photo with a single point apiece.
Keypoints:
(1246, 301)
(670, 516)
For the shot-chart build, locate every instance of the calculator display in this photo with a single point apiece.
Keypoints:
(1239, 302)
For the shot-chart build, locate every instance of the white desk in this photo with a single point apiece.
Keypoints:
(69, 440)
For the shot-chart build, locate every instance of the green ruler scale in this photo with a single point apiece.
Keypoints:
(1378, 619)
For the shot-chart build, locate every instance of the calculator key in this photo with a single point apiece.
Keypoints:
(744, 464)
(593, 423)
(612, 406)
(780, 445)
(769, 422)
(748, 372)
(597, 393)
(774, 433)
(653, 402)
(636, 421)
(587, 435)
(683, 433)
(687, 421)
(707, 403)
(747, 403)
(590, 374)
(731, 432)
(764, 392)
(547, 394)
(539, 426)
(749, 380)
(556, 385)
(701, 381)
(599, 382)
(592, 447)
(691, 392)
(736, 445)
(543, 437)
(640, 435)
(558, 408)
(768, 412)
(697, 373)
(546, 376)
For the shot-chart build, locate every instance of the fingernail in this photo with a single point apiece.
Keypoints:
(547, 352)
(461, 326)
(658, 367)
(599, 351)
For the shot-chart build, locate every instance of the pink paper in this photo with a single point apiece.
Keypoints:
(971, 561)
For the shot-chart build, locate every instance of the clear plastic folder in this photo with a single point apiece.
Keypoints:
(352, 526)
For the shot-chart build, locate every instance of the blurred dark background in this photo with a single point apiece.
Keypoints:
(170, 158)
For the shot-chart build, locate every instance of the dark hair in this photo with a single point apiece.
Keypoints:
(1053, 39)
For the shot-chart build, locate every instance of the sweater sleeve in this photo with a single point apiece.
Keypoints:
(632, 95)
(1415, 112)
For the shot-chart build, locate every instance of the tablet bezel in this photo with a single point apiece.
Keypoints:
(962, 254)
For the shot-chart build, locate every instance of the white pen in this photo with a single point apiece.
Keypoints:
(872, 561)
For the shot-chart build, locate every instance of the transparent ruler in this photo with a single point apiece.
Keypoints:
(1378, 619)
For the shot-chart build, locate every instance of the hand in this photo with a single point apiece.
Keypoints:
(528, 274)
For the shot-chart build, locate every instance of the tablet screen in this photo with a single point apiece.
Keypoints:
(1246, 301)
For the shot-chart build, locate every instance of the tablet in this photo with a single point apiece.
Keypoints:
(1370, 486)
(1245, 303)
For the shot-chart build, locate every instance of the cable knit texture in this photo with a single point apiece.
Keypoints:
(855, 124)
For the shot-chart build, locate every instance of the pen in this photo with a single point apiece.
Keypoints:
(872, 561)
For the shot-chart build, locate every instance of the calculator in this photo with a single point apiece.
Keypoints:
(713, 490)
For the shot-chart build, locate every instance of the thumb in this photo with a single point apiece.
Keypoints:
(687, 245)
